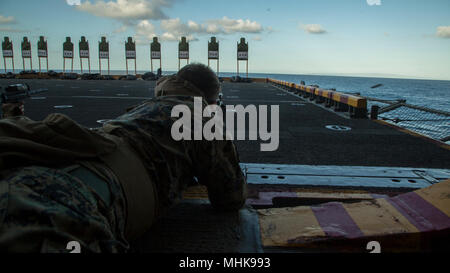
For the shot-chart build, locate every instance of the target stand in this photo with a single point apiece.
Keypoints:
(183, 51)
(26, 52)
(83, 46)
(8, 52)
(130, 53)
(213, 52)
(242, 54)
(155, 53)
(103, 53)
(42, 51)
(67, 53)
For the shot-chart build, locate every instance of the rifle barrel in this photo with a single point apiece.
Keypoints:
(36, 91)
(16, 96)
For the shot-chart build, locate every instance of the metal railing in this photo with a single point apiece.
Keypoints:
(423, 120)
(426, 121)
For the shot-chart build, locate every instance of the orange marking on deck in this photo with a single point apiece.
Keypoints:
(438, 195)
(288, 226)
(425, 210)
(379, 218)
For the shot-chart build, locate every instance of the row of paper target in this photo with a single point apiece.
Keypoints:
(8, 52)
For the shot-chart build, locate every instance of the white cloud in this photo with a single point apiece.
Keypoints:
(137, 13)
(9, 29)
(374, 2)
(191, 38)
(257, 38)
(313, 28)
(228, 26)
(217, 26)
(73, 2)
(6, 20)
(175, 28)
(213, 29)
(127, 9)
(443, 31)
(166, 36)
(145, 29)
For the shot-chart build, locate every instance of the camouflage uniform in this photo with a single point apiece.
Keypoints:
(174, 164)
(42, 209)
(43, 203)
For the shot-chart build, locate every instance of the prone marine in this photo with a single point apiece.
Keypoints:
(104, 187)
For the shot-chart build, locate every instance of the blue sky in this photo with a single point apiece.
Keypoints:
(393, 38)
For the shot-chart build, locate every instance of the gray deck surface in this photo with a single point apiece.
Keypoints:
(303, 136)
(195, 227)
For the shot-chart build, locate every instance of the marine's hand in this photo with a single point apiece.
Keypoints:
(13, 109)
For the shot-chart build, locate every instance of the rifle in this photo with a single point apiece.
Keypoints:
(15, 93)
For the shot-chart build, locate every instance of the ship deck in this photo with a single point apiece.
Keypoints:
(193, 226)
(304, 139)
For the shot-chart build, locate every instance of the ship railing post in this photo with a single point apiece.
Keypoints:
(12, 59)
(374, 111)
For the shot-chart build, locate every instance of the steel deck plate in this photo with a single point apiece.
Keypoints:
(343, 176)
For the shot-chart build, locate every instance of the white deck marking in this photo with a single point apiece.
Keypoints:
(63, 106)
(109, 97)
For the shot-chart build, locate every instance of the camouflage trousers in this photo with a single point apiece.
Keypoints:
(43, 209)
